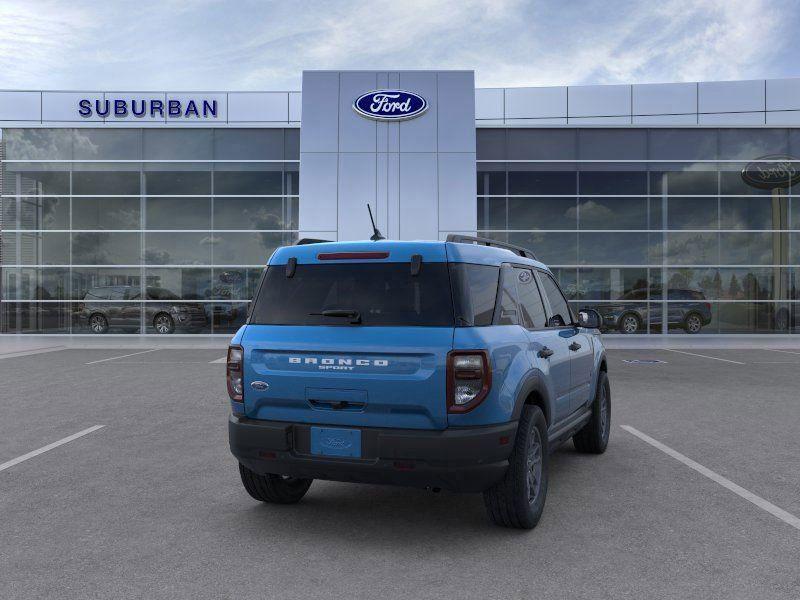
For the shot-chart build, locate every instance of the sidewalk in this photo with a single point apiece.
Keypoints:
(25, 343)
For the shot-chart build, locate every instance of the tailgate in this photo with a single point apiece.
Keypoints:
(353, 376)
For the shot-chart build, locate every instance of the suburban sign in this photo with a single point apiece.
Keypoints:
(390, 105)
(770, 172)
(122, 107)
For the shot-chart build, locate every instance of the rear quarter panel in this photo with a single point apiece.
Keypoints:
(507, 346)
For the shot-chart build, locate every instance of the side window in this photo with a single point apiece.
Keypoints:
(530, 301)
(507, 302)
(558, 304)
(474, 290)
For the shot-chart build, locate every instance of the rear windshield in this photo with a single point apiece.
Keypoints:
(382, 293)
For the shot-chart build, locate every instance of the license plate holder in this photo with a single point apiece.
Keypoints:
(331, 441)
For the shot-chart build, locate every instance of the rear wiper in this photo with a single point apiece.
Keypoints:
(353, 315)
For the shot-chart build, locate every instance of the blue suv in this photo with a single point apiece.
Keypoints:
(455, 365)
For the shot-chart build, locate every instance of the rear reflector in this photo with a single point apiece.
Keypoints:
(403, 465)
(351, 255)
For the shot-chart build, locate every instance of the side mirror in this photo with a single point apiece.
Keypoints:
(589, 318)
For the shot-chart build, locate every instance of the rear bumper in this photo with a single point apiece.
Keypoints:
(457, 459)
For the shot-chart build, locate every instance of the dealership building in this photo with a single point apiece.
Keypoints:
(667, 207)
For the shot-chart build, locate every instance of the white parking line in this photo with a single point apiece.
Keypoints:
(736, 362)
(224, 359)
(784, 351)
(19, 353)
(43, 449)
(94, 362)
(716, 477)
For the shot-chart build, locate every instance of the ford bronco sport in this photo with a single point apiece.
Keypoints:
(455, 365)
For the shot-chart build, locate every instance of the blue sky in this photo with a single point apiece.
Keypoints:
(261, 45)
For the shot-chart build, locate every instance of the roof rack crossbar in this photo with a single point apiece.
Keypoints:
(469, 239)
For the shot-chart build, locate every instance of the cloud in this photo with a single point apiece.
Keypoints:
(265, 45)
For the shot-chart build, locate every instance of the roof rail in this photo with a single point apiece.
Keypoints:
(304, 241)
(469, 239)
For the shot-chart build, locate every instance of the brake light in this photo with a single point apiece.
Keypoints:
(708, 306)
(351, 255)
(469, 378)
(234, 373)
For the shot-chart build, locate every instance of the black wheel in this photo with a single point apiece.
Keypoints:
(163, 323)
(98, 323)
(518, 500)
(276, 489)
(593, 437)
(629, 323)
(693, 323)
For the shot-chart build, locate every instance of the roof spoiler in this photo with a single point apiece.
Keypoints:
(469, 239)
(305, 241)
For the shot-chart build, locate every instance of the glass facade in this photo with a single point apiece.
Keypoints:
(654, 228)
(141, 230)
(130, 230)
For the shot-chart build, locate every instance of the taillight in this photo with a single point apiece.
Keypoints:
(234, 372)
(469, 378)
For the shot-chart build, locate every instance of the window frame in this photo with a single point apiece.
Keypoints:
(538, 291)
(539, 273)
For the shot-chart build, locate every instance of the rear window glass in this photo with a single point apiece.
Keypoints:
(382, 294)
(474, 293)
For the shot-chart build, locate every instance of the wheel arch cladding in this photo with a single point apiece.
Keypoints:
(533, 392)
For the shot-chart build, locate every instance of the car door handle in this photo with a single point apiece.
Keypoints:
(574, 346)
(545, 353)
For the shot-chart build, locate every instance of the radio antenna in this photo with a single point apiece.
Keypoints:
(376, 235)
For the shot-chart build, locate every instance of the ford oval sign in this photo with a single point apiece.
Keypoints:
(390, 105)
(770, 172)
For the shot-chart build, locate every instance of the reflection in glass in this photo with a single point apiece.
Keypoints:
(612, 283)
(178, 183)
(111, 182)
(692, 248)
(27, 283)
(247, 248)
(88, 279)
(251, 213)
(249, 182)
(186, 284)
(522, 181)
(551, 248)
(177, 213)
(541, 213)
(38, 213)
(179, 248)
(34, 317)
(106, 248)
(614, 248)
(105, 213)
(753, 248)
(226, 317)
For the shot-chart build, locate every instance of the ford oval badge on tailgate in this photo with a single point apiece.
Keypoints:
(390, 105)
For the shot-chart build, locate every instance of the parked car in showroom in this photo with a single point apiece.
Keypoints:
(115, 307)
(634, 311)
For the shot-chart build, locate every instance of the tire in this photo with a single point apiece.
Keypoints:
(593, 437)
(163, 323)
(98, 323)
(518, 499)
(693, 323)
(275, 489)
(629, 323)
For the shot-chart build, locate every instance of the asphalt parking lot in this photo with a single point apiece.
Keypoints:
(150, 505)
